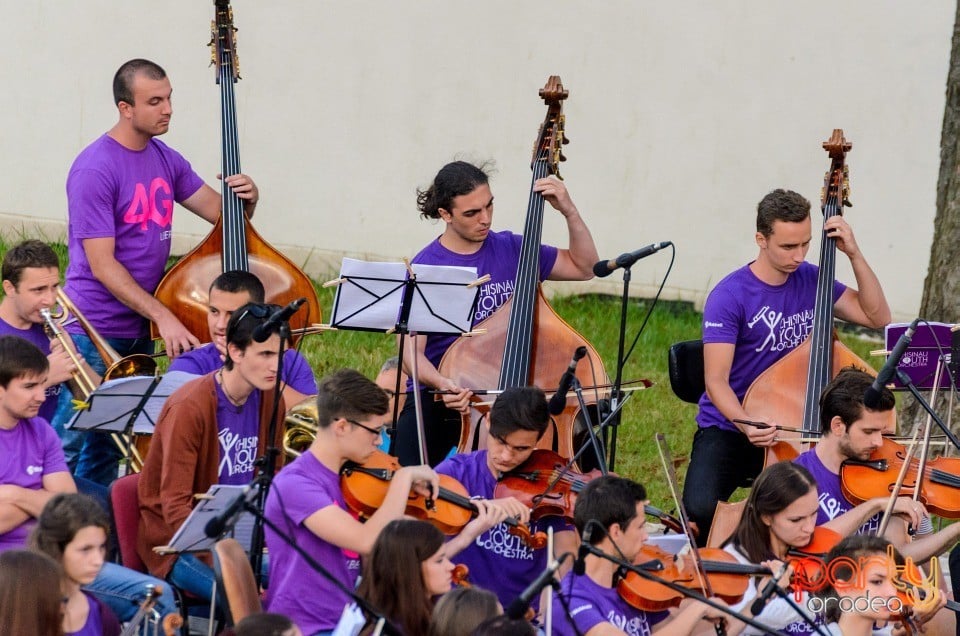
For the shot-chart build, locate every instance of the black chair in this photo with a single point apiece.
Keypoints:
(685, 362)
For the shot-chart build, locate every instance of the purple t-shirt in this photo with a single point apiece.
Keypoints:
(36, 335)
(93, 626)
(592, 604)
(128, 195)
(498, 560)
(238, 430)
(296, 371)
(765, 322)
(313, 603)
(498, 256)
(30, 450)
(832, 502)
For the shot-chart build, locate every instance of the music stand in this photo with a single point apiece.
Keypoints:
(127, 406)
(407, 300)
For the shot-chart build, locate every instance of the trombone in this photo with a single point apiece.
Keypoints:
(81, 384)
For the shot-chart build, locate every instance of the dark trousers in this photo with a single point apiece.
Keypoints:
(441, 428)
(721, 461)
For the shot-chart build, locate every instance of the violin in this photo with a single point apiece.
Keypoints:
(545, 484)
(939, 483)
(727, 578)
(459, 575)
(365, 487)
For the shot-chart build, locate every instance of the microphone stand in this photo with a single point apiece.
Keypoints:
(261, 519)
(268, 462)
(618, 382)
(689, 593)
(907, 382)
(594, 440)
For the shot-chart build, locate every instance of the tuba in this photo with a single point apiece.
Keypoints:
(301, 427)
(81, 384)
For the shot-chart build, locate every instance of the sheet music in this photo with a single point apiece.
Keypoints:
(371, 295)
(443, 294)
(190, 537)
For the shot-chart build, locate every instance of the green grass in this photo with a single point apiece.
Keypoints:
(596, 317)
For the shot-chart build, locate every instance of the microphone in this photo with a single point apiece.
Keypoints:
(580, 564)
(871, 397)
(605, 268)
(761, 601)
(262, 331)
(518, 606)
(559, 400)
(219, 523)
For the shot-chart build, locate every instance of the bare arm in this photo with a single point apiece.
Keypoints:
(577, 261)
(118, 281)
(207, 202)
(428, 375)
(17, 504)
(867, 304)
(337, 527)
(717, 362)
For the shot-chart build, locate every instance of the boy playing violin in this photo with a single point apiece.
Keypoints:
(306, 502)
(499, 561)
(614, 509)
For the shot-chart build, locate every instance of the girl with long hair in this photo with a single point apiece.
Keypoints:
(406, 569)
(30, 595)
(72, 529)
(461, 609)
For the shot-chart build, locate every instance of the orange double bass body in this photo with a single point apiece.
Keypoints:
(536, 344)
(789, 391)
(233, 244)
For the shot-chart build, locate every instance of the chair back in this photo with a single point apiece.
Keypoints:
(235, 578)
(725, 521)
(685, 363)
(125, 504)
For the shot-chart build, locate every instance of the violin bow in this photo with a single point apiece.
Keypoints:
(895, 491)
(671, 473)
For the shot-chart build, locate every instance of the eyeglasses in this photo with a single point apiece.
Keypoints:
(376, 431)
(256, 310)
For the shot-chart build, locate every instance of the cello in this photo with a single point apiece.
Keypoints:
(233, 244)
(777, 394)
(536, 343)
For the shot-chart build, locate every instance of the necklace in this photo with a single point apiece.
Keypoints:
(223, 385)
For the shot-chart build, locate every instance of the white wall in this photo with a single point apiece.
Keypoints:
(681, 116)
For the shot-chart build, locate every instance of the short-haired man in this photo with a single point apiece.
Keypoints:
(121, 191)
(499, 561)
(228, 292)
(752, 319)
(852, 431)
(31, 277)
(34, 470)
(614, 508)
(210, 431)
(307, 503)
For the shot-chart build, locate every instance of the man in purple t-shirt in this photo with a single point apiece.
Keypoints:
(120, 197)
(228, 292)
(752, 319)
(852, 432)
(31, 276)
(211, 431)
(610, 513)
(498, 560)
(460, 197)
(307, 504)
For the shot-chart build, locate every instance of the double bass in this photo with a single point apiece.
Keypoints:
(233, 244)
(788, 392)
(536, 344)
